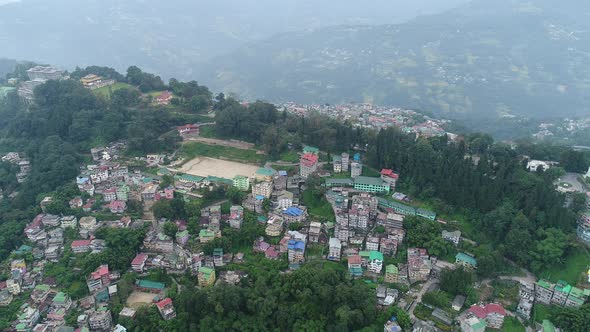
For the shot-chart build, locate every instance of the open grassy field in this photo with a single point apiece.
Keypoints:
(573, 268)
(511, 324)
(106, 91)
(196, 149)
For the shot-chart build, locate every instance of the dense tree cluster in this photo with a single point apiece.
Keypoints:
(104, 72)
(309, 299)
(144, 81)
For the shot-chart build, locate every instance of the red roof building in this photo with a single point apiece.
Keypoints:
(163, 98)
(80, 246)
(117, 206)
(138, 263)
(492, 313)
(188, 129)
(166, 308)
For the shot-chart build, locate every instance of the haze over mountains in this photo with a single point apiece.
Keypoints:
(483, 59)
(172, 37)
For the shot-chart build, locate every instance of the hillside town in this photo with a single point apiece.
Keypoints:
(142, 229)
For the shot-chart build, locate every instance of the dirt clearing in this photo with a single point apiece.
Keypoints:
(205, 166)
(137, 299)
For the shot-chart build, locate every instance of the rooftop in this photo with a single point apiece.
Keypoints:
(369, 181)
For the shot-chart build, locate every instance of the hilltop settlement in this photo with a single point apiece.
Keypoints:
(179, 224)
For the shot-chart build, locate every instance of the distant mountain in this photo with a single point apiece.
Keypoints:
(172, 37)
(486, 59)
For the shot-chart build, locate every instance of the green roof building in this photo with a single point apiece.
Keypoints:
(241, 182)
(188, 178)
(371, 185)
(339, 182)
(150, 286)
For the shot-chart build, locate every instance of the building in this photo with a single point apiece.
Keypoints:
(470, 323)
(206, 235)
(13, 286)
(335, 249)
(375, 262)
(390, 177)
(354, 266)
(372, 243)
(467, 261)
(241, 182)
(419, 264)
(453, 237)
(391, 274)
(534, 165)
(117, 206)
(345, 159)
(206, 276)
(92, 81)
(236, 216)
(577, 297)
(284, 199)
(296, 251)
(337, 164)
(218, 257)
(560, 293)
(526, 298)
(543, 291)
(100, 321)
(69, 222)
(62, 300)
(99, 278)
(166, 308)
(5, 298)
(44, 73)
(26, 90)
(274, 226)
(263, 189)
(315, 228)
(371, 185)
(391, 326)
(149, 286)
(138, 263)
(294, 214)
(27, 318)
(163, 98)
(583, 229)
(356, 169)
(493, 314)
(458, 302)
(308, 164)
(81, 246)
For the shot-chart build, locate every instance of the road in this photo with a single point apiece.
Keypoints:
(428, 285)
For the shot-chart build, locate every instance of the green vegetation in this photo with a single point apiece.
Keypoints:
(208, 132)
(511, 324)
(107, 91)
(196, 149)
(368, 171)
(289, 156)
(572, 270)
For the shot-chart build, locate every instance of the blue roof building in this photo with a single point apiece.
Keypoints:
(356, 157)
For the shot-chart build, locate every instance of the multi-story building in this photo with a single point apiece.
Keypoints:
(138, 263)
(92, 81)
(493, 314)
(335, 249)
(241, 182)
(294, 214)
(453, 237)
(337, 163)
(206, 276)
(470, 323)
(44, 73)
(389, 177)
(81, 246)
(391, 274)
(236, 216)
(296, 251)
(560, 292)
(419, 264)
(26, 90)
(375, 261)
(388, 246)
(345, 160)
(69, 222)
(13, 286)
(99, 278)
(583, 229)
(356, 169)
(372, 243)
(371, 185)
(166, 308)
(308, 164)
(354, 266)
(526, 296)
(27, 318)
(206, 236)
(263, 189)
(315, 229)
(577, 297)
(218, 257)
(544, 291)
(100, 321)
(284, 199)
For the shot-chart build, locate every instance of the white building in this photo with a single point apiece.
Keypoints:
(335, 249)
(262, 189)
(356, 169)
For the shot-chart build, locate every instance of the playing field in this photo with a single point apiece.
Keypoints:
(137, 299)
(205, 166)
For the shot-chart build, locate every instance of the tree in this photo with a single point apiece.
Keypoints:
(170, 229)
(456, 281)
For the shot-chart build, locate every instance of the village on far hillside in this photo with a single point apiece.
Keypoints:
(241, 210)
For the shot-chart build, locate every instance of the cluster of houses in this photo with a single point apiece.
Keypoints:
(24, 165)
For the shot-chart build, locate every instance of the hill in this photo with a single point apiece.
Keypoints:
(487, 59)
(172, 38)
